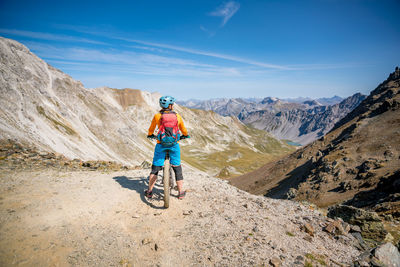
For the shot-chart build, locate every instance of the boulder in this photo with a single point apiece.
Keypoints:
(308, 229)
(292, 193)
(369, 222)
(387, 254)
(275, 262)
(336, 228)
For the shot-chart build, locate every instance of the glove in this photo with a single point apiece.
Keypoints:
(151, 136)
(185, 136)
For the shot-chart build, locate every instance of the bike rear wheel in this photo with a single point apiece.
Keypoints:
(166, 176)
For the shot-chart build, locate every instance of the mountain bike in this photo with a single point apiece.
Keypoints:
(168, 177)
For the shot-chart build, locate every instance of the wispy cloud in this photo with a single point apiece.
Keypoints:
(207, 31)
(96, 60)
(147, 48)
(226, 11)
(204, 53)
(127, 56)
(48, 36)
(150, 45)
(326, 66)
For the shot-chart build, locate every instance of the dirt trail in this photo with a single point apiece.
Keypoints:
(102, 219)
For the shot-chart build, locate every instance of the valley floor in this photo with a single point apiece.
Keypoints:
(92, 218)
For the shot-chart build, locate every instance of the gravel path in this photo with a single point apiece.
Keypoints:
(92, 218)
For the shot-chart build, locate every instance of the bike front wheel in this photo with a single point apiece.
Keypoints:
(166, 175)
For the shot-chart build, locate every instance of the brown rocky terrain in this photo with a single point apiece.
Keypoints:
(18, 157)
(60, 212)
(358, 162)
(82, 217)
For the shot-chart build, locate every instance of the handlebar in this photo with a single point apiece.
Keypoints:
(153, 137)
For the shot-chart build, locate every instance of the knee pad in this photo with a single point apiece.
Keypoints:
(155, 169)
(178, 172)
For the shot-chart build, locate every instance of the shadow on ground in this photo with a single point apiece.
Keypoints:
(292, 180)
(140, 184)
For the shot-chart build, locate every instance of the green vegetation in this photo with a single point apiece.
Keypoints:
(249, 160)
(125, 263)
(289, 233)
(57, 124)
(264, 150)
(318, 258)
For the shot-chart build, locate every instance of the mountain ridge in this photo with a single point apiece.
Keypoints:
(42, 106)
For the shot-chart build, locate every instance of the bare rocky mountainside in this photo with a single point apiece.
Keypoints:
(47, 109)
(301, 120)
(357, 163)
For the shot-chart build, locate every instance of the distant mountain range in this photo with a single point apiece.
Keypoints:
(325, 101)
(302, 124)
(301, 120)
(196, 103)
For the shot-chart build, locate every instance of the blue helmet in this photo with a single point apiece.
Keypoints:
(165, 101)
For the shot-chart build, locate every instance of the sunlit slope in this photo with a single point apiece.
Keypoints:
(46, 108)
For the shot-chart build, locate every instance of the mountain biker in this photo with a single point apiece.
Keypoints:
(159, 119)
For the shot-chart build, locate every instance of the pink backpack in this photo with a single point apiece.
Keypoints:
(168, 134)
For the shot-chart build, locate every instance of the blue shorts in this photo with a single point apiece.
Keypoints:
(174, 155)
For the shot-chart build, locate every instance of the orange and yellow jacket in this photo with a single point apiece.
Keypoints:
(157, 122)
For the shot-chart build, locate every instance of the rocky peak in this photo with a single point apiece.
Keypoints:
(380, 100)
(395, 75)
(311, 103)
(391, 81)
(269, 100)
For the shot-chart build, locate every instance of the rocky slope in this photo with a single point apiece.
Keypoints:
(43, 107)
(358, 161)
(93, 218)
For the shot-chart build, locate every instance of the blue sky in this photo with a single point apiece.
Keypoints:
(207, 49)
